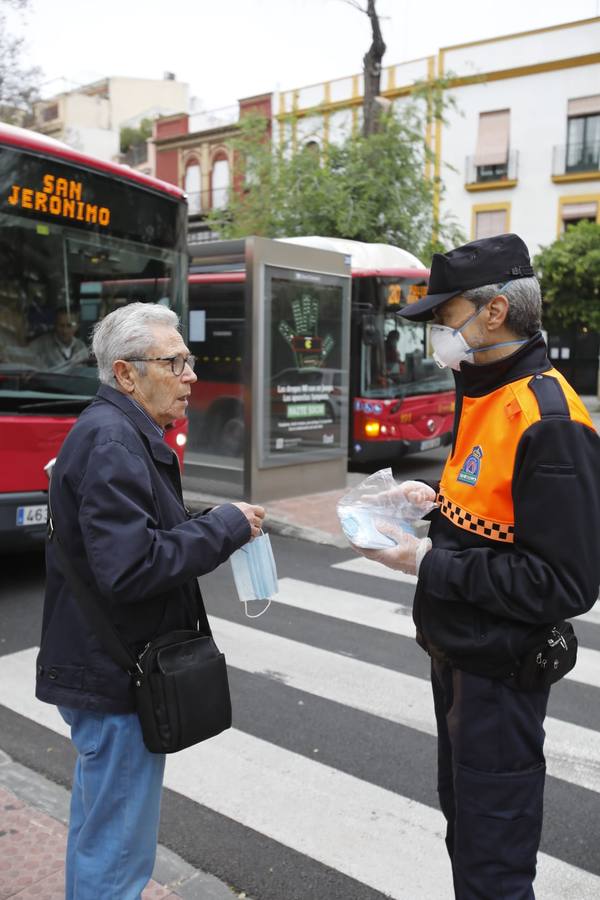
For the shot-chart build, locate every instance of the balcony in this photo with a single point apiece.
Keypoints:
(213, 118)
(492, 177)
(200, 202)
(576, 162)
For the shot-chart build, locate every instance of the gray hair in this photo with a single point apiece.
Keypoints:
(127, 332)
(524, 297)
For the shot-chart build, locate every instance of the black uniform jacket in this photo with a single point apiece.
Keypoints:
(118, 510)
(484, 595)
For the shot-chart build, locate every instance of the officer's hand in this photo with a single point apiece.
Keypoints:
(414, 493)
(405, 556)
(255, 516)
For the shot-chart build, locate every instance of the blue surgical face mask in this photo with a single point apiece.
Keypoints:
(450, 347)
(255, 573)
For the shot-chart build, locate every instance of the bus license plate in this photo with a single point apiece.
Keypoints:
(32, 515)
(431, 443)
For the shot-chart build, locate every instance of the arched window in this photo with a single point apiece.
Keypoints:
(220, 183)
(193, 187)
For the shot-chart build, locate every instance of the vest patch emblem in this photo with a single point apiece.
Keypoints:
(471, 466)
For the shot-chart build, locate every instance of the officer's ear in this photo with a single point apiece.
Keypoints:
(497, 312)
(124, 375)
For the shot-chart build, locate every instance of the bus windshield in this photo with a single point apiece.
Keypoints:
(395, 358)
(75, 244)
(54, 286)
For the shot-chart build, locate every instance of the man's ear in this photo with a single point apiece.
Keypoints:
(498, 311)
(122, 370)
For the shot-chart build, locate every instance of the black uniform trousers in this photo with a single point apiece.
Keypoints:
(491, 771)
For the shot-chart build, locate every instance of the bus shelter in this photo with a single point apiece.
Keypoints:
(269, 323)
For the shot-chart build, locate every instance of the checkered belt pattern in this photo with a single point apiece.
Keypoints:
(497, 531)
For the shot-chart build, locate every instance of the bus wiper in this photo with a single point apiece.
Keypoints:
(68, 402)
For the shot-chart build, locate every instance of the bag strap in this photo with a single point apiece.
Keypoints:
(92, 605)
(550, 397)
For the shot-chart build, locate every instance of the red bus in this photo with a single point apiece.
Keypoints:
(78, 238)
(400, 400)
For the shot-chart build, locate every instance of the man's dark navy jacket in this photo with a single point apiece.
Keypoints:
(117, 508)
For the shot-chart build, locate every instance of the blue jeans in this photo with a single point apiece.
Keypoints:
(115, 807)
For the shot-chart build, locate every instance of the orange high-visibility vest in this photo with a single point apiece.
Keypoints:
(476, 485)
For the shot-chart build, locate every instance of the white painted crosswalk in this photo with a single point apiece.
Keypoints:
(388, 842)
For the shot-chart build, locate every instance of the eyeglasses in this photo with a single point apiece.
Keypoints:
(178, 363)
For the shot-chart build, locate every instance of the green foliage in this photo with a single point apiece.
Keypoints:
(18, 83)
(134, 137)
(569, 271)
(372, 189)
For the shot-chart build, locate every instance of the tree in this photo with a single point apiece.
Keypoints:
(135, 137)
(569, 271)
(372, 105)
(18, 84)
(368, 188)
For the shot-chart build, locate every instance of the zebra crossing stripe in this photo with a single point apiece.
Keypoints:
(588, 660)
(572, 751)
(371, 834)
(363, 566)
(356, 608)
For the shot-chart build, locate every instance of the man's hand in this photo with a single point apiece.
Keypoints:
(255, 516)
(406, 556)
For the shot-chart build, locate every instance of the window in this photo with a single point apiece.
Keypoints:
(491, 155)
(489, 222)
(193, 187)
(220, 183)
(583, 134)
(580, 211)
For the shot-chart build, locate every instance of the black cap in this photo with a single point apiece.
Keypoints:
(487, 261)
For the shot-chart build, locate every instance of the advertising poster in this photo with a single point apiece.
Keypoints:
(306, 320)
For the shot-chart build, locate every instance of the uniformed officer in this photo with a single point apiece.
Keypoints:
(512, 550)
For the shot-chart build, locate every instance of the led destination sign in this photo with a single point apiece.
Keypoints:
(59, 197)
(53, 191)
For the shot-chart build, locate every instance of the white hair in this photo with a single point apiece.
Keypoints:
(127, 332)
(524, 303)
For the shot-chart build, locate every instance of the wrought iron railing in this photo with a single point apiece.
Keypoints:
(576, 157)
(478, 173)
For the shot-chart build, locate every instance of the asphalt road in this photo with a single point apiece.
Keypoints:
(325, 788)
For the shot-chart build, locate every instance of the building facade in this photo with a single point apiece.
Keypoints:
(195, 153)
(520, 148)
(90, 118)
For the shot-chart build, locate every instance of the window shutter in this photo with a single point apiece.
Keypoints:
(584, 106)
(579, 211)
(490, 223)
(492, 138)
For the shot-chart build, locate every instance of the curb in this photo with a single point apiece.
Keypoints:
(170, 870)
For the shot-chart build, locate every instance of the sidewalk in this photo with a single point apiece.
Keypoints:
(33, 836)
(313, 517)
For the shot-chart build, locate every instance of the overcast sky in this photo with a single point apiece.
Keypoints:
(228, 49)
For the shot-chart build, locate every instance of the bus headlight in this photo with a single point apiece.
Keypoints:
(372, 428)
(181, 440)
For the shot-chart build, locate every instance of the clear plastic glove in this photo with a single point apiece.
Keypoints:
(380, 499)
(405, 556)
(413, 496)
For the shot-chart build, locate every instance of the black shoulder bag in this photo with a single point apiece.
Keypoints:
(179, 679)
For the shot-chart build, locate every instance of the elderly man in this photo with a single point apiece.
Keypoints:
(118, 511)
(513, 549)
